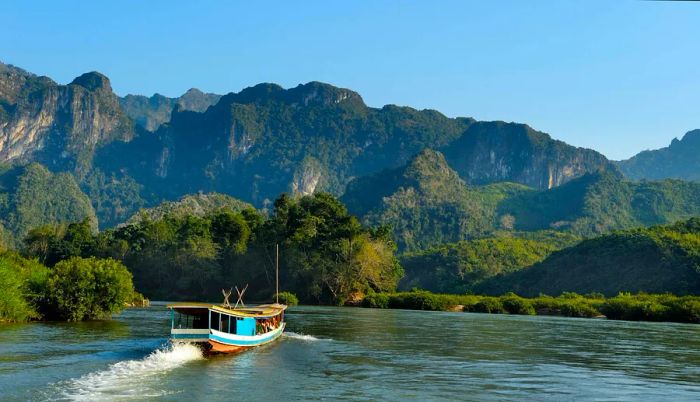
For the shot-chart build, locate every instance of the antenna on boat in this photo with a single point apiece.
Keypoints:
(240, 296)
(226, 296)
(277, 273)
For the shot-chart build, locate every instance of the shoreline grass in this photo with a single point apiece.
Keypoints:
(624, 306)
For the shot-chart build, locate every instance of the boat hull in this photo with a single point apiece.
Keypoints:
(222, 342)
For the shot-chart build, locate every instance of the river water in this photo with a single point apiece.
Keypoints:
(360, 354)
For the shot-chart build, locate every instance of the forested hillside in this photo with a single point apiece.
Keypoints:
(655, 260)
(426, 204)
(460, 267)
(601, 202)
(31, 196)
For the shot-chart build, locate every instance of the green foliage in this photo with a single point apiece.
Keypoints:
(515, 304)
(115, 198)
(31, 196)
(79, 289)
(21, 282)
(376, 300)
(426, 203)
(489, 305)
(602, 202)
(625, 306)
(458, 267)
(326, 255)
(197, 204)
(645, 307)
(288, 298)
(656, 260)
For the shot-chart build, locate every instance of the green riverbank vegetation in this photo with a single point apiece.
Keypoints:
(326, 255)
(72, 272)
(624, 306)
(74, 289)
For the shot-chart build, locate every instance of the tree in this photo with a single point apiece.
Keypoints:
(87, 288)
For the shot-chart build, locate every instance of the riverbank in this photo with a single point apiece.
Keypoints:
(625, 306)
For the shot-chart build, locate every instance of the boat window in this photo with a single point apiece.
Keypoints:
(223, 325)
(190, 319)
(215, 320)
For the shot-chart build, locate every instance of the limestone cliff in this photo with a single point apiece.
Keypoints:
(58, 125)
(490, 152)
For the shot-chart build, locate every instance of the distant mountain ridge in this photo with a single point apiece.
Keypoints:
(265, 140)
(680, 160)
(151, 112)
(315, 137)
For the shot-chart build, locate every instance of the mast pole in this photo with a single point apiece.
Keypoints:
(277, 273)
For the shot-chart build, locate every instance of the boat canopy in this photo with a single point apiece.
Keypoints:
(261, 311)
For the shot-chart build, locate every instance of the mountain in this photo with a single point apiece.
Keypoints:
(267, 139)
(151, 112)
(680, 160)
(193, 204)
(659, 259)
(32, 196)
(426, 202)
(59, 126)
(490, 152)
(600, 202)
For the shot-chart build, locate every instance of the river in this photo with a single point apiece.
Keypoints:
(359, 354)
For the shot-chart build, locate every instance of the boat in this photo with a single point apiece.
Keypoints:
(220, 329)
(226, 329)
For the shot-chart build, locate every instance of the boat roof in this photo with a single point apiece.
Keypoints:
(263, 310)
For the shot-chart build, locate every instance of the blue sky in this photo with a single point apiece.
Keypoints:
(616, 76)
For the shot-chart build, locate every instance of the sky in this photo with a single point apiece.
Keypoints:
(615, 76)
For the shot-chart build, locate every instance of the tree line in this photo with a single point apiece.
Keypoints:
(326, 255)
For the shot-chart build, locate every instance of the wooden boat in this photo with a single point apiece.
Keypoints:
(226, 329)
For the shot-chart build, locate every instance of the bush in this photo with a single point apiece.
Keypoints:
(625, 306)
(684, 309)
(489, 305)
(578, 308)
(20, 282)
(376, 300)
(421, 300)
(86, 288)
(515, 304)
(634, 308)
(288, 298)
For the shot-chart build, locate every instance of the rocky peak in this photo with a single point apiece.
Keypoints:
(319, 93)
(93, 81)
(690, 139)
(311, 94)
(196, 100)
